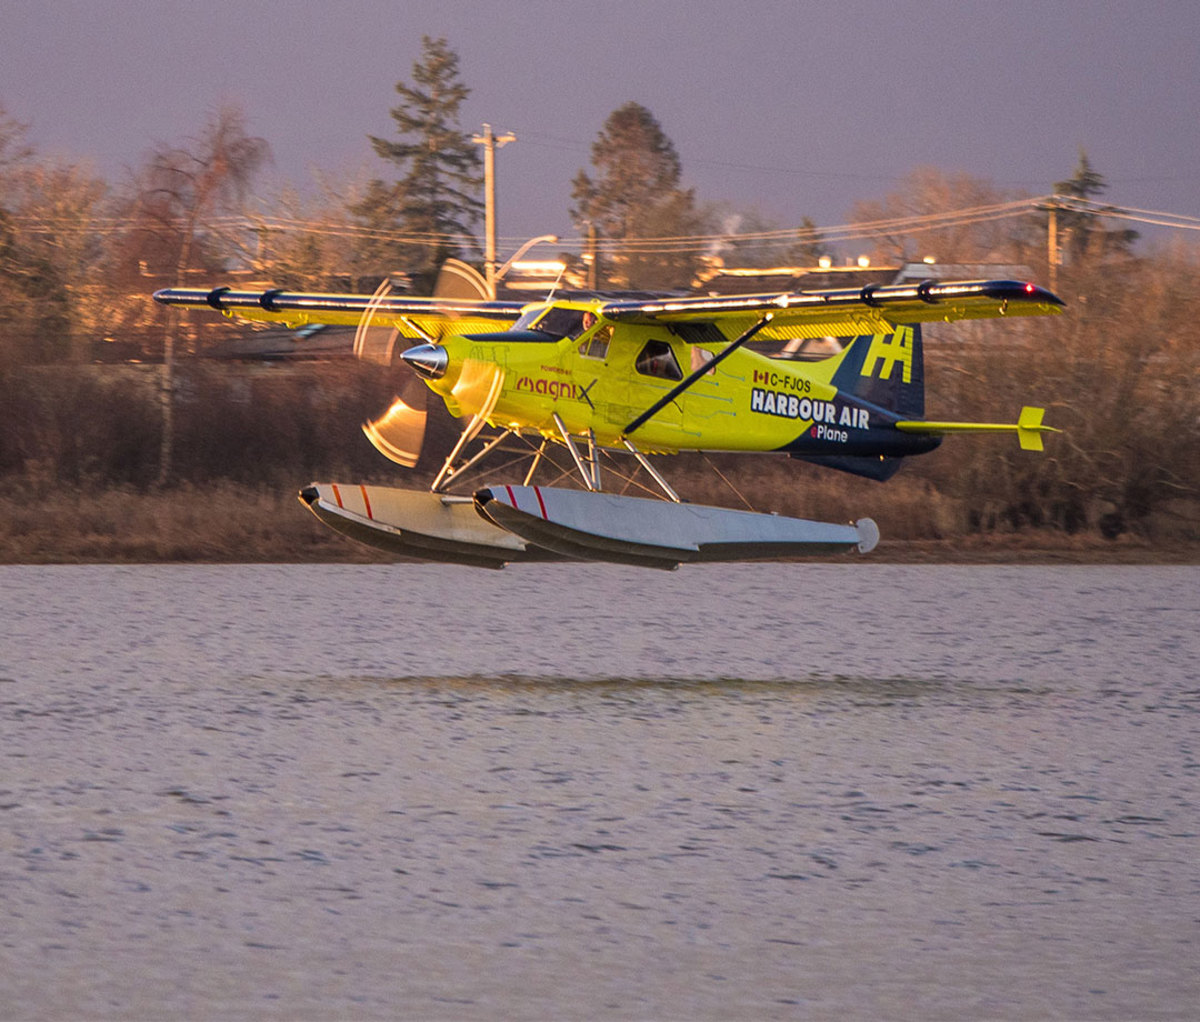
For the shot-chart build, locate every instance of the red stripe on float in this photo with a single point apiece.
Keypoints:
(511, 499)
(541, 503)
(366, 501)
(337, 495)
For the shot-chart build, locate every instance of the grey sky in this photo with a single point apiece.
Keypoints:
(794, 107)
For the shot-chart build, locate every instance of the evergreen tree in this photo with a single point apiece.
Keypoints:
(34, 315)
(1083, 232)
(809, 246)
(34, 309)
(636, 195)
(435, 202)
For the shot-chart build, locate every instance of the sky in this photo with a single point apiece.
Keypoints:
(790, 108)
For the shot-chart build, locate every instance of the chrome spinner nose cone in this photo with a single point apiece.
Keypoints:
(429, 360)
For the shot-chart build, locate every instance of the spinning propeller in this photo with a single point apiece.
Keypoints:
(399, 433)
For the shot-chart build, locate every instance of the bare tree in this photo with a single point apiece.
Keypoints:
(182, 188)
(14, 150)
(928, 191)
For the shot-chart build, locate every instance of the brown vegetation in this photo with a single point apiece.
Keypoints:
(217, 522)
(79, 455)
(79, 451)
(96, 465)
(226, 522)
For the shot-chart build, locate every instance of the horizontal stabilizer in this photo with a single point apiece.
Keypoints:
(1028, 427)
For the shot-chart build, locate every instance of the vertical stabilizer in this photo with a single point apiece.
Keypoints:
(886, 370)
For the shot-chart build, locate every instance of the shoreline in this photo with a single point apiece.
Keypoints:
(1033, 548)
(228, 524)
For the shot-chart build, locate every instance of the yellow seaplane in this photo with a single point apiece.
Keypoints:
(611, 376)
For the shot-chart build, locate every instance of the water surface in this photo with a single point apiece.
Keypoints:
(784, 791)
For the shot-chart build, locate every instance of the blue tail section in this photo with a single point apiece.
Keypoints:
(878, 467)
(885, 374)
(886, 370)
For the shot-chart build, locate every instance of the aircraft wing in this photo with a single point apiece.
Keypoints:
(416, 318)
(871, 309)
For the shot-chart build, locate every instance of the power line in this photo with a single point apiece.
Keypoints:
(916, 223)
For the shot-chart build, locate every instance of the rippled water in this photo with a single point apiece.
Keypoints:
(786, 791)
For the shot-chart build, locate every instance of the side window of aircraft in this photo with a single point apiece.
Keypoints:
(596, 346)
(554, 322)
(657, 359)
(528, 318)
(560, 323)
(586, 322)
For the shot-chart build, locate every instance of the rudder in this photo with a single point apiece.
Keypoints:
(886, 370)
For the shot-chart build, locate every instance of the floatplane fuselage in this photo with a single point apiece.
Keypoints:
(597, 375)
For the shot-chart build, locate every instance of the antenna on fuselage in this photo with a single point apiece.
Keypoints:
(557, 280)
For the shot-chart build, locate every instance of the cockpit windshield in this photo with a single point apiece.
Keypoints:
(556, 323)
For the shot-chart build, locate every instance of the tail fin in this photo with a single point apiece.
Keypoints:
(887, 370)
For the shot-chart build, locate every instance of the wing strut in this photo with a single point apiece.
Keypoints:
(692, 377)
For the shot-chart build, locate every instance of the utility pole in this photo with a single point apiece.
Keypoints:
(490, 144)
(1053, 257)
(594, 251)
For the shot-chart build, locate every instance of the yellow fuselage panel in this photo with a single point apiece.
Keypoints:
(606, 394)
